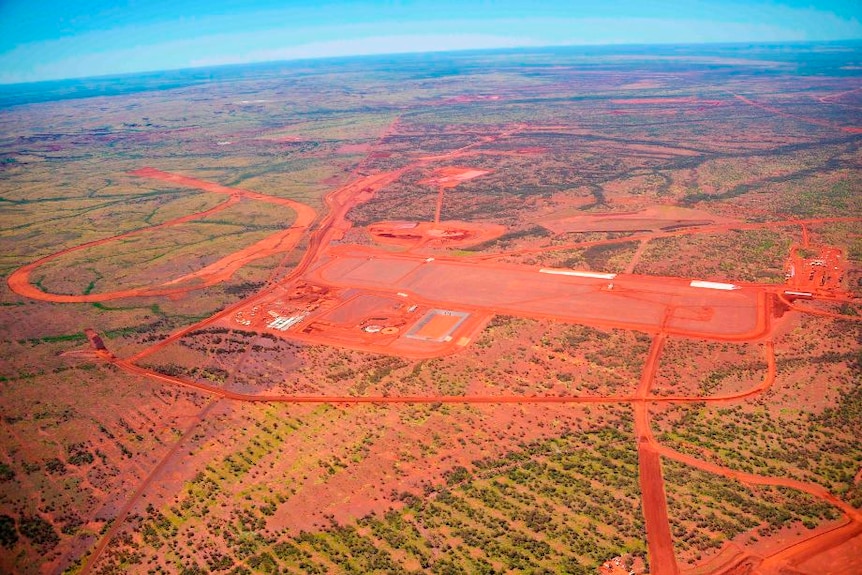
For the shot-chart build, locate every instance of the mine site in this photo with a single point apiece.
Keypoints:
(550, 318)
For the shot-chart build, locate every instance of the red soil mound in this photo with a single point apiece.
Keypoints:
(452, 176)
(449, 233)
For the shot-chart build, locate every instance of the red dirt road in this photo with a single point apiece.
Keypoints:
(286, 240)
(653, 500)
(654, 503)
(449, 178)
(784, 560)
(117, 524)
(706, 229)
(657, 305)
(19, 280)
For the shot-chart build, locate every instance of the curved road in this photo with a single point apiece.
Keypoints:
(333, 226)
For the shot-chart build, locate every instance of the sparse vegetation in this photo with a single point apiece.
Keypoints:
(249, 488)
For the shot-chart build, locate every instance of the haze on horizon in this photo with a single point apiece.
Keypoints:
(63, 40)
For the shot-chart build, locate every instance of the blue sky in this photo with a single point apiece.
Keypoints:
(42, 40)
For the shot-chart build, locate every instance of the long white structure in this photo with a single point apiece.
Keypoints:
(284, 323)
(712, 285)
(593, 275)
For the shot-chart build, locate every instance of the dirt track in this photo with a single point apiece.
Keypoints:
(816, 121)
(707, 229)
(117, 524)
(334, 225)
(286, 240)
(653, 500)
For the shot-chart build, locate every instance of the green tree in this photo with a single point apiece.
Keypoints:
(8, 533)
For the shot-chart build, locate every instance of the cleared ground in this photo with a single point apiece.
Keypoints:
(633, 302)
(315, 404)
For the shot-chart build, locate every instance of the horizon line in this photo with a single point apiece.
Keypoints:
(501, 49)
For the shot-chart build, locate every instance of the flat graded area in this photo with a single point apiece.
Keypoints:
(447, 234)
(570, 311)
(635, 302)
(450, 177)
(437, 325)
(657, 218)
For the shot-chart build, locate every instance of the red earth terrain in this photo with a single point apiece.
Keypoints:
(415, 306)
